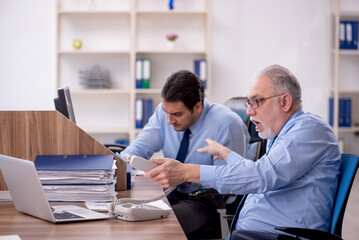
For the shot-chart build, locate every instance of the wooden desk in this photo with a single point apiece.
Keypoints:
(28, 228)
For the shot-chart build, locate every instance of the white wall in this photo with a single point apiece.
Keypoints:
(247, 35)
(27, 54)
(250, 35)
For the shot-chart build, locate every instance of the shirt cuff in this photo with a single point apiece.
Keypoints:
(208, 175)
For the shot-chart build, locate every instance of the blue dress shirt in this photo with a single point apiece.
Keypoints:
(216, 122)
(292, 185)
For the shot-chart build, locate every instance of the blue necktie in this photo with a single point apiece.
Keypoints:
(182, 151)
(181, 155)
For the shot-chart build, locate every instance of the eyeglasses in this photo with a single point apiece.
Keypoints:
(254, 103)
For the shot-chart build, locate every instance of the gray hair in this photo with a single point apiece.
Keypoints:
(283, 81)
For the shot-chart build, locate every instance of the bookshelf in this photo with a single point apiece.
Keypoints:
(344, 74)
(114, 33)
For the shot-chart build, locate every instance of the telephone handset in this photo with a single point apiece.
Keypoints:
(133, 209)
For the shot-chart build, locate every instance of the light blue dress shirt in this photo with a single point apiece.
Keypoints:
(292, 185)
(216, 122)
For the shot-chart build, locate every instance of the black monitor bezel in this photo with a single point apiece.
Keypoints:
(63, 103)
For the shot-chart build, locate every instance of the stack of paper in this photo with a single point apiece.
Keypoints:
(77, 177)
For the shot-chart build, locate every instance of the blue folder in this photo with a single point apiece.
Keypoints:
(148, 110)
(74, 162)
(200, 69)
(348, 112)
(139, 72)
(139, 113)
(348, 35)
(341, 112)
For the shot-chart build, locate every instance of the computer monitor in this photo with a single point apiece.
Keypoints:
(63, 103)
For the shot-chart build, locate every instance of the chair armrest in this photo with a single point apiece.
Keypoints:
(115, 148)
(309, 233)
(228, 217)
(203, 193)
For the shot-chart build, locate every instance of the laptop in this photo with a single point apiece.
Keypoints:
(29, 197)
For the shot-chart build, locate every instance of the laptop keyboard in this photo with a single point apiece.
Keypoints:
(64, 215)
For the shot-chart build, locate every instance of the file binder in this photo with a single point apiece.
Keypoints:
(148, 109)
(139, 113)
(352, 35)
(341, 112)
(200, 69)
(348, 112)
(146, 77)
(342, 35)
(138, 73)
(345, 112)
(74, 162)
(348, 34)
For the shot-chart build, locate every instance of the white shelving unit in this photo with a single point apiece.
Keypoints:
(114, 34)
(344, 79)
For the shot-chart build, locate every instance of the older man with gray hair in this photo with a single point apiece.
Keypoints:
(293, 184)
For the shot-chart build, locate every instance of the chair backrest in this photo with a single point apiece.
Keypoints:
(115, 147)
(348, 169)
(257, 145)
(253, 151)
(236, 104)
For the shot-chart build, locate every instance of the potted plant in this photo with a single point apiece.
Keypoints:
(171, 39)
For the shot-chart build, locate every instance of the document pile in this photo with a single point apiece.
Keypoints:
(77, 177)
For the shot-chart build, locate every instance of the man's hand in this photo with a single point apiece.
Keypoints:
(172, 172)
(215, 149)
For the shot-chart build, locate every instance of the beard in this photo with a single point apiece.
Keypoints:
(267, 132)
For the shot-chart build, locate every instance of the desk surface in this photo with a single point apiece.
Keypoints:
(28, 228)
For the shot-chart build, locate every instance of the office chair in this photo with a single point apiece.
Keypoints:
(348, 169)
(115, 148)
(236, 104)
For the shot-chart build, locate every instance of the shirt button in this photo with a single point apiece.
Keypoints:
(240, 220)
(247, 202)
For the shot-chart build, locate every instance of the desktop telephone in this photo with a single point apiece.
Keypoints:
(135, 209)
